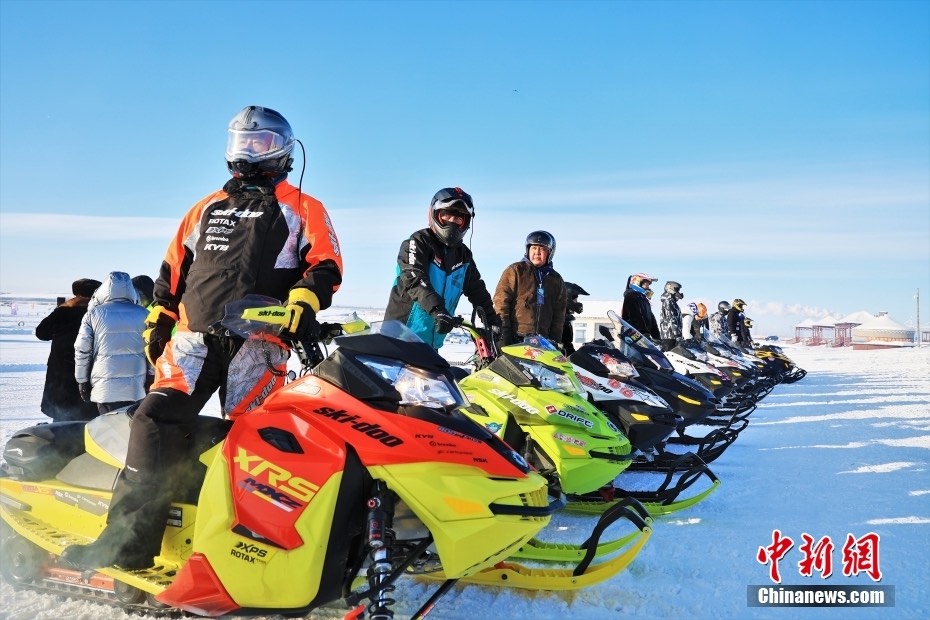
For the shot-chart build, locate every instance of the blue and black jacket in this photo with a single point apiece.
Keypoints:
(432, 276)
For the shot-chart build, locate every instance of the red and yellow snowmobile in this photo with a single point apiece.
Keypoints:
(363, 469)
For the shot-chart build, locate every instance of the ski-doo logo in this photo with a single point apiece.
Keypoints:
(234, 213)
(372, 430)
(522, 404)
(412, 252)
(272, 313)
(248, 552)
(577, 419)
(279, 481)
(494, 427)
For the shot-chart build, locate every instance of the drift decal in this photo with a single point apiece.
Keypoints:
(577, 419)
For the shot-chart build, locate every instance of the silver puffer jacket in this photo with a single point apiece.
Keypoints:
(109, 351)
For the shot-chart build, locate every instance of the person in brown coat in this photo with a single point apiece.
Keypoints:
(61, 399)
(530, 297)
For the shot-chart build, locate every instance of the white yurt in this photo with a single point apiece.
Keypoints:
(882, 332)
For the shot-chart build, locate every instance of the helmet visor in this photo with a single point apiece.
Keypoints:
(254, 145)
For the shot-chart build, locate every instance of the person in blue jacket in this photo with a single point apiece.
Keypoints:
(435, 268)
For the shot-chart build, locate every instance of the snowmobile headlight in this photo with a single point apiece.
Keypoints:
(551, 379)
(416, 387)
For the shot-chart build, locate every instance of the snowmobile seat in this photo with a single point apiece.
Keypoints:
(39, 452)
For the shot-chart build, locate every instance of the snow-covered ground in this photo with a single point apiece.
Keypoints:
(844, 451)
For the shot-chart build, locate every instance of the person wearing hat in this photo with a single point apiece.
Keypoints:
(261, 235)
(637, 311)
(530, 297)
(61, 399)
(736, 322)
(109, 355)
(435, 268)
(572, 307)
(145, 288)
(670, 325)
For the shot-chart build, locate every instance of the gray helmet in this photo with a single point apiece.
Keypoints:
(543, 238)
(723, 307)
(259, 142)
(674, 288)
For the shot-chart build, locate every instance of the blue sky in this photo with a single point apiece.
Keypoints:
(774, 151)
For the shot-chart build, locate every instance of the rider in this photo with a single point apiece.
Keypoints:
(434, 270)
(637, 311)
(530, 296)
(670, 325)
(573, 307)
(735, 322)
(719, 328)
(260, 235)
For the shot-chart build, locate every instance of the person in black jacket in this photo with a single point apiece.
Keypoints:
(637, 311)
(736, 322)
(434, 270)
(61, 399)
(257, 235)
(573, 307)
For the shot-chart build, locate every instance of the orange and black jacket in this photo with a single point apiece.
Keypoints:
(251, 237)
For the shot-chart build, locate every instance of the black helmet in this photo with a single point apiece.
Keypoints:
(450, 199)
(723, 307)
(739, 304)
(259, 142)
(541, 237)
(674, 289)
(573, 290)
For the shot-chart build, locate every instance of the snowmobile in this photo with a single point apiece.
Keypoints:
(788, 371)
(692, 401)
(361, 470)
(647, 420)
(738, 402)
(532, 398)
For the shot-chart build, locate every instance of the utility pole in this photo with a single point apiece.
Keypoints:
(919, 335)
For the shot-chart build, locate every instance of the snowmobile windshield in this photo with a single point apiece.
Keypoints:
(394, 329)
(416, 386)
(553, 379)
(540, 343)
(615, 365)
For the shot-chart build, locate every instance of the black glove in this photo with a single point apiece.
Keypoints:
(494, 323)
(84, 390)
(506, 337)
(444, 322)
(160, 327)
(302, 325)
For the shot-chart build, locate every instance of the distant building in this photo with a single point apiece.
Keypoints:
(803, 330)
(844, 326)
(882, 332)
